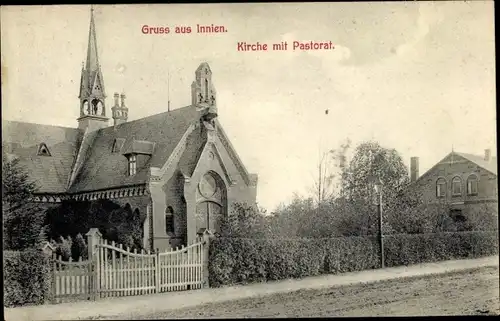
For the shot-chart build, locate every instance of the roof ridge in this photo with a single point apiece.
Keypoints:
(37, 124)
(154, 115)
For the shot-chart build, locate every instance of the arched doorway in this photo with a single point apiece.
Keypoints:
(211, 206)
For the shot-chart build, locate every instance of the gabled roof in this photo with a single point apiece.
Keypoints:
(104, 169)
(490, 166)
(104, 164)
(478, 160)
(50, 172)
(194, 147)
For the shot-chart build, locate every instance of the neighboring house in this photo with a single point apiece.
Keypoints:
(466, 182)
(178, 167)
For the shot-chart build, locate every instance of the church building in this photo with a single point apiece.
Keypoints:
(178, 167)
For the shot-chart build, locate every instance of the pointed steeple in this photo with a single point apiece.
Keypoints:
(92, 94)
(92, 57)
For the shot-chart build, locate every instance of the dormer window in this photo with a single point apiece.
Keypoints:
(43, 150)
(132, 164)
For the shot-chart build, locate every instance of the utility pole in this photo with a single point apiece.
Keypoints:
(381, 234)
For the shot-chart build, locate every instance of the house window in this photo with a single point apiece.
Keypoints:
(132, 165)
(456, 184)
(43, 150)
(169, 220)
(441, 187)
(472, 185)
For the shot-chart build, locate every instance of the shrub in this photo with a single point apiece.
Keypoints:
(419, 248)
(27, 278)
(245, 260)
(79, 248)
(64, 248)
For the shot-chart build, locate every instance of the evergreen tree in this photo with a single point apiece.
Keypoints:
(79, 248)
(22, 220)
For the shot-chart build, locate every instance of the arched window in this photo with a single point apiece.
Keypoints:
(212, 206)
(86, 108)
(206, 90)
(472, 185)
(456, 186)
(100, 108)
(169, 220)
(441, 187)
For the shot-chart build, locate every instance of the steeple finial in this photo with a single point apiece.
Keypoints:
(92, 57)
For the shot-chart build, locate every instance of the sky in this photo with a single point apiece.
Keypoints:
(418, 77)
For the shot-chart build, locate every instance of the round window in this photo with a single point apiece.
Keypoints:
(208, 186)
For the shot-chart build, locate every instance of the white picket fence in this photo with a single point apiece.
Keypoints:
(113, 270)
(72, 280)
(122, 272)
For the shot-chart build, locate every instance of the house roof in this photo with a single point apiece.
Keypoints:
(104, 164)
(490, 166)
(104, 169)
(194, 147)
(51, 173)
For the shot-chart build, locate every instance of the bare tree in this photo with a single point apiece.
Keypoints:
(331, 169)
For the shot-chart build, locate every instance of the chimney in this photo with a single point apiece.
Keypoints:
(117, 96)
(123, 100)
(413, 169)
(487, 155)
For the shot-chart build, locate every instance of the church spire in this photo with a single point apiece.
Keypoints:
(92, 94)
(92, 57)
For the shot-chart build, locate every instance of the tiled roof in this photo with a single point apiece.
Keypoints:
(479, 160)
(104, 169)
(194, 147)
(50, 172)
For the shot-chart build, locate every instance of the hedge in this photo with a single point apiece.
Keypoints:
(27, 277)
(420, 248)
(245, 260)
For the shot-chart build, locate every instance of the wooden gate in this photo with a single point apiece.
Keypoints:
(113, 270)
(181, 269)
(72, 280)
(122, 272)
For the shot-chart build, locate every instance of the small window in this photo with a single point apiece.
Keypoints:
(441, 188)
(472, 185)
(456, 184)
(132, 165)
(43, 150)
(169, 220)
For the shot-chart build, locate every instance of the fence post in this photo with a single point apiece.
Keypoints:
(54, 275)
(93, 239)
(157, 271)
(206, 237)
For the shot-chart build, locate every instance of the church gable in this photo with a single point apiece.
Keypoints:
(154, 136)
(231, 158)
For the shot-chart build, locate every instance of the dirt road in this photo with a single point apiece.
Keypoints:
(460, 293)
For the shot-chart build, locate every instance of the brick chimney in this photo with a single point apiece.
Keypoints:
(487, 155)
(413, 169)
